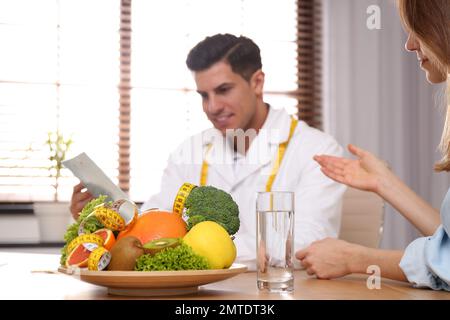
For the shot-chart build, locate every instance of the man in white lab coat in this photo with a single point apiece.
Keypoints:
(240, 153)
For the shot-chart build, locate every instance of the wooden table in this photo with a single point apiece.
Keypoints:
(34, 276)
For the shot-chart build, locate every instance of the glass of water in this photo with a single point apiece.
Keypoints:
(275, 241)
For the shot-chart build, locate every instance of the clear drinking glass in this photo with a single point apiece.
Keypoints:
(275, 241)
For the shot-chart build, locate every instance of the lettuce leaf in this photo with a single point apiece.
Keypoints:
(179, 258)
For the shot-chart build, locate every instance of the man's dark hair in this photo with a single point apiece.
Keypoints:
(241, 53)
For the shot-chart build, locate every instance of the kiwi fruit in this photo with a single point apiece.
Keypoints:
(124, 254)
(158, 245)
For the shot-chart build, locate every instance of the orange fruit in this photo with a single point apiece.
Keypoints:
(154, 224)
(108, 237)
(80, 255)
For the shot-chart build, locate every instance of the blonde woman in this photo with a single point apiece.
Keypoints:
(426, 261)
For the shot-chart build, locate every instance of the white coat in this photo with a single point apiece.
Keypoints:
(318, 199)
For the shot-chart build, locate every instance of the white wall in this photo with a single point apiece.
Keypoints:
(19, 229)
(377, 97)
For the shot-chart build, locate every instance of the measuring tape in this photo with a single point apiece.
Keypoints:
(122, 214)
(180, 199)
(99, 259)
(89, 241)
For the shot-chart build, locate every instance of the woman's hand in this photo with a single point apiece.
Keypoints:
(328, 258)
(369, 173)
(365, 173)
(332, 258)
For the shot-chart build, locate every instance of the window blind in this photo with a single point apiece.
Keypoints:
(112, 75)
(124, 92)
(309, 55)
(59, 68)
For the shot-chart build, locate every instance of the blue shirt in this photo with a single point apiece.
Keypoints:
(426, 261)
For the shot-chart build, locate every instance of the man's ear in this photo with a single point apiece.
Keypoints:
(257, 82)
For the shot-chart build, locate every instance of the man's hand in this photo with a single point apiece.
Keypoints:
(79, 199)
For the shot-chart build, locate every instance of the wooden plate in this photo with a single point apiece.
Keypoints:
(153, 283)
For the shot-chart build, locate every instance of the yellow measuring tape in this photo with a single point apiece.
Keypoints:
(180, 199)
(110, 218)
(205, 166)
(99, 259)
(120, 215)
(280, 154)
(89, 241)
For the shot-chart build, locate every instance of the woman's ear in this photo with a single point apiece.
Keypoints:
(257, 82)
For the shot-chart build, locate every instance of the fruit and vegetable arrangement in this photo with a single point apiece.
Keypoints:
(197, 235)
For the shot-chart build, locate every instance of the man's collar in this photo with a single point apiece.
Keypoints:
(276, 126)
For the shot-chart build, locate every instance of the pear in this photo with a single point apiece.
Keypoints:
(124, 254)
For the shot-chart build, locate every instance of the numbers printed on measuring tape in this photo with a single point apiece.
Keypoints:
(181, 197)
(110, 218)
(89, 241)
(120, 215)
(99, 259)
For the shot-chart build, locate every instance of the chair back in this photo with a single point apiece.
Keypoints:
(362, 218)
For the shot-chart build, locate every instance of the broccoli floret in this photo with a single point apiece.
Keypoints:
(207, 203)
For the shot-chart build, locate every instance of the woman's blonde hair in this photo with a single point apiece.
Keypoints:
(444, 146)
(429, 21)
